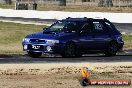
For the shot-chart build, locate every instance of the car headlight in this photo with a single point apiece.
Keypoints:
(26, 39)
(52, 41)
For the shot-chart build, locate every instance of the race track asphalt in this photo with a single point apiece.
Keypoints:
(125, 56)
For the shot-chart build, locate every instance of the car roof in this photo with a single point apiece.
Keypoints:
(83, 19)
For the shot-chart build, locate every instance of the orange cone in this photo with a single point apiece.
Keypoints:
(85, 73)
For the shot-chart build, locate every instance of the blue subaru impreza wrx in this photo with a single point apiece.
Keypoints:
(72, 37)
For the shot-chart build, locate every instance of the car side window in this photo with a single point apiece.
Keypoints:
(70, 26)
(86, 28)
(99, 27)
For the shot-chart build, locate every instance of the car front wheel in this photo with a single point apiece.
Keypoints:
(34, 54)
(70, 50)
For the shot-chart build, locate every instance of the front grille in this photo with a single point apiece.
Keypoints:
(37, 41)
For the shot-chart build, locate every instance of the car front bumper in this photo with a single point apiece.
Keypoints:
(45, 48)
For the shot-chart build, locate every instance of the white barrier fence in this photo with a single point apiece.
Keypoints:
(113, 17)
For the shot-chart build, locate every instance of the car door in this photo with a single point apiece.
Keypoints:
(101, 35)
(86, 37)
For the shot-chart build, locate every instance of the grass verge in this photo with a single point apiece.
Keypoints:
(127, 41)
(11, 35)
(7, 6)
(84, 8)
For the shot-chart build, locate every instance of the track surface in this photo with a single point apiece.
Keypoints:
(125, 56)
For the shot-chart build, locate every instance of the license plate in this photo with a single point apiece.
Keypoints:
(35, 47)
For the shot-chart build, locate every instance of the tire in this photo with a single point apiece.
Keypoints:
(112, 49)
(70, 50)
(34, 54)
(78, 54)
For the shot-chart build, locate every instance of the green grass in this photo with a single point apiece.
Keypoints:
(11, 35)
(128, 41)
(7, 6)
(83, 8)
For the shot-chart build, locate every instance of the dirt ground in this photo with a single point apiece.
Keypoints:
(61, 75)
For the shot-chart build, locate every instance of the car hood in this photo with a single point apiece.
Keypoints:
(41, 35)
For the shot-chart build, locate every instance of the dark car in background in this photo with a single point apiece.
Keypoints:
(72, 37)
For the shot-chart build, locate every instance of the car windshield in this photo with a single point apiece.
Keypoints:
(69, 26)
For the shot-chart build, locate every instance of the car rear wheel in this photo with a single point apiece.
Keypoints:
(112, 49)
(34, 54)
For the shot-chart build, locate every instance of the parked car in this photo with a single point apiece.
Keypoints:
(72, 37)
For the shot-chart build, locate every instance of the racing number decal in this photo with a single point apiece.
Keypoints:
(98, 26)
